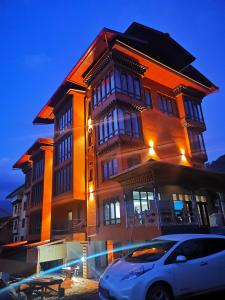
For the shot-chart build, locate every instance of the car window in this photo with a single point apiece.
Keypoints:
(213, 245)
(197, 248)
(191, 249)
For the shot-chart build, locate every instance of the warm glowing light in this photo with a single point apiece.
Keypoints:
(90, 124)
(91, 192)
(151, 148)
(183, 156)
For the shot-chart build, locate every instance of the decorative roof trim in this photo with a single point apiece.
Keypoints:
(181, 89)
(114, 57)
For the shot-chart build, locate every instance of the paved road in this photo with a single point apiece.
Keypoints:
(215, 296)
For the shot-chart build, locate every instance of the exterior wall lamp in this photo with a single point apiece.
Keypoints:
(151, 150)
(183, 156)
(91, 193)
(90, 126)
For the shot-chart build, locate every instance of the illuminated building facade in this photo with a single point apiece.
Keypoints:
(128, 149)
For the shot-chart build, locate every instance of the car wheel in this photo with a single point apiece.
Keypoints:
(159, 292)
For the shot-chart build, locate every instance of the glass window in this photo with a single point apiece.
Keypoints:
(105, 170)
(117, 206)
(213, 246)
(121, 121)
(115, 121)
(151, 196)
(106, 213)
(100, 132)
(137, 206)
(112, 81)
(64, 118)
(137, 88)
(148, 98)
(127, 123)
(105, 129)
(196, 141)
(110, 124)
(63, 179)
(38, 168)
(118, 121)
(63, 150)
(191, 249)
(141, 201)
(111, 212)
(103, 89)
(144, 204)
(178, 210)
(152, 252)
(117, 80)
(193, 109)
(124, 82)
(135, 127)
(107, 83)
(94, 98)
(130, 85)
(115, 166)
(168, 105)
(109, 168)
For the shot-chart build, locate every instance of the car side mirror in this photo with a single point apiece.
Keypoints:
(181, 259)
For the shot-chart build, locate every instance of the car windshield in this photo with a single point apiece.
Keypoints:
(152, 252)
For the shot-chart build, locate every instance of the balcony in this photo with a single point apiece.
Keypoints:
(69, 228)
(195, 124)
(200, 156)
(117, 97)
(120, 139)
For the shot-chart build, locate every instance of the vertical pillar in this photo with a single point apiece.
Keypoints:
(110, 254)
(38, 266)
(78, 148)
(47, 194)
(156, 200)
(222, 203)
(195, 209)
(85, 262)
(182, 114)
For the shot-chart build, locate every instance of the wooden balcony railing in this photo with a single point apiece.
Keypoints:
(69, 227)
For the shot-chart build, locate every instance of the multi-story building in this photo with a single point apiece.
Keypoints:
(36, 164)
(128, 150)
(19, 204)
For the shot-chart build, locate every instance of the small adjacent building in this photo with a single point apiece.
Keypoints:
(20, 219)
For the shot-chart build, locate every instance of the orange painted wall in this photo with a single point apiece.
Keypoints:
(170, 140)
(166, 132)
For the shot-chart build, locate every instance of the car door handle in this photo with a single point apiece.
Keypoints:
(203, 263)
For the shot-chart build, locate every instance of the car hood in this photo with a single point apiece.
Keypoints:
(120, 268)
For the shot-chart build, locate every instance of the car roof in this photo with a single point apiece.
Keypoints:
(187, 236)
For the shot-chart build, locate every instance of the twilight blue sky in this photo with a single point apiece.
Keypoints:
(41, 40)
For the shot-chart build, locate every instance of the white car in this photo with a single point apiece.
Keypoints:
(168, 267)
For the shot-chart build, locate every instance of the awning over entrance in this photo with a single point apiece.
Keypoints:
(159, 172)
